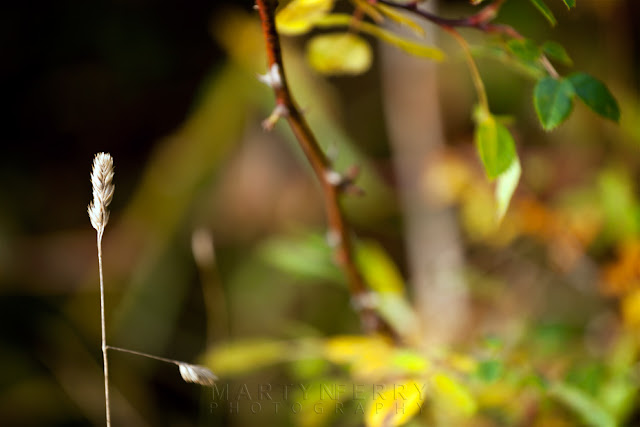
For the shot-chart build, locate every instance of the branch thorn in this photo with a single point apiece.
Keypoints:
(272, 78)
(279, 111)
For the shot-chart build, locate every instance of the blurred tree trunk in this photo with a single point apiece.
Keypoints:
(432, 237)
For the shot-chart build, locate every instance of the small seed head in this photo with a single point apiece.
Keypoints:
(102, 183)
(197, 374)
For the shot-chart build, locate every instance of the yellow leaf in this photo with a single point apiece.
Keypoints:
(245, 356)
(299, 16)
(369, 9)
(398, 17)
(367, 357)
(411, 47)
(452, 397)
(396, 405)
(379, 271)
(343, 53)
(631, 308)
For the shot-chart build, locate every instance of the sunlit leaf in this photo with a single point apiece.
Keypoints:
(369, 9)
(505, 187)
(589, 410)
(367, 357)
(555, 51)
(396, 405)
(553, 100)
(343, 53)
(596, 95)
(378, 269)
(410, 362)
(570, 3)
(350, 348)
(411, 47)
(453, 396)
(245, 356)
(401, 19)
(630, 306)
(544, 9)
(495, 145)
(299, 16)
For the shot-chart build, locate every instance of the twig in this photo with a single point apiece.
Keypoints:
(338, 229)
(481, 21)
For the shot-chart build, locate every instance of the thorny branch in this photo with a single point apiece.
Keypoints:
(333, 184)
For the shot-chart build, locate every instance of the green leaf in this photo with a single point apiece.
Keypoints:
(411, 47)
(570, 3)
(589, 410)
(553, 100)
(506, 186)
(526, 50)
(596, 95)
(555, 51)
(544, 9)
(495, 145)
(306, 256)
(336, 54)
(299, 16)
(490, 370)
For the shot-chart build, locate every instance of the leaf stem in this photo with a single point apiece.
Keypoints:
(473, 67)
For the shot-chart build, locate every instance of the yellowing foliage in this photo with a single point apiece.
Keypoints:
(300, 16)
(335, 54)
(396, 405)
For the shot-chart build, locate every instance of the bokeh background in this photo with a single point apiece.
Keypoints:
(216, 230)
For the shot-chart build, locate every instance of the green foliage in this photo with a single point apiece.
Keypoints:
(490, 370)
(589, 410)
(595, 95)
(555, 51)
(526, 51)
(495, 145)
(553, 101)
(553, 98)
(544, 9)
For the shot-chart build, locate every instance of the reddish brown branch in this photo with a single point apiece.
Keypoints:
(338, 234)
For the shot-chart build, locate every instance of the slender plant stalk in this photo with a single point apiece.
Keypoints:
(103, 188)
(190, 373)
(475, 73)
(481, 21)
(333, 184)
(105, 359)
